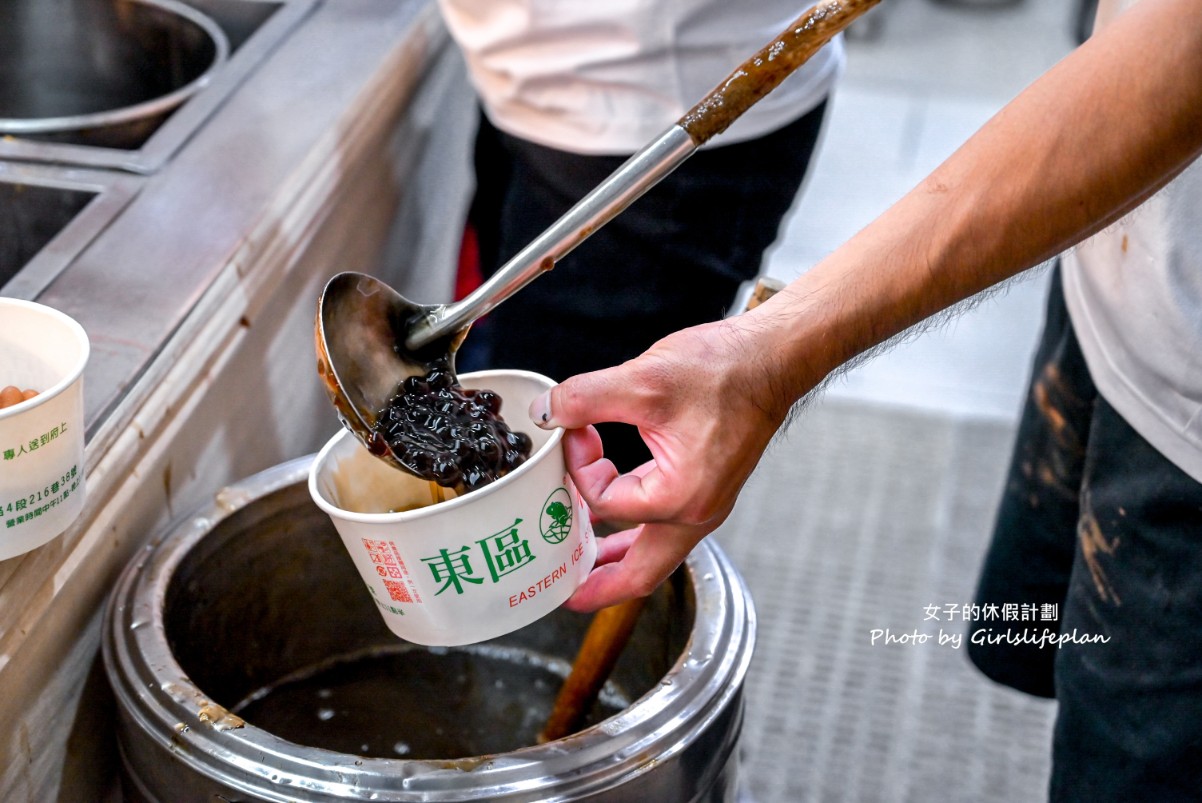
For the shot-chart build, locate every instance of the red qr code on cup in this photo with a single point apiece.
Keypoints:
(397, 591)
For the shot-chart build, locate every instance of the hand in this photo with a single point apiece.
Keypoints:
(705, 405)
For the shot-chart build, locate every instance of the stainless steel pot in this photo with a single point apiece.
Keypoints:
(253, 597)
(101, 72)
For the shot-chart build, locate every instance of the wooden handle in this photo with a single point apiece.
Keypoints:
(764, 71)
(603, 644)
(765, 288)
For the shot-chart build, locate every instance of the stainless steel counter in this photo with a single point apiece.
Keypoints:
(196, 277)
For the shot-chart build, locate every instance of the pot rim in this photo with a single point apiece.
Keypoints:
(153, 689)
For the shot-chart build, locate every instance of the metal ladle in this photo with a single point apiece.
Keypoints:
(370, 338)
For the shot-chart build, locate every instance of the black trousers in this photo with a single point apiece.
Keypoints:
(675, 258)
(1099, 538)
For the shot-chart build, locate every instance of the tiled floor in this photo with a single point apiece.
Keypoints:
(921, 77)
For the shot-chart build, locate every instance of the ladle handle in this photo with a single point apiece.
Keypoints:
(625, 185)
(753, 79)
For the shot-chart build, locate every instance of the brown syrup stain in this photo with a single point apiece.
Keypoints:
(1057, 470)
(1095, 545)
(1051, 394)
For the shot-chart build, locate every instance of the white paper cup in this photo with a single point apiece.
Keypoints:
(470, 568)
(41, 439)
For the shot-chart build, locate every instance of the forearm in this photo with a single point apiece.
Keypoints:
(1079, 148)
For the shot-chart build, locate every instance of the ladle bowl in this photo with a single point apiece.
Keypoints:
(360, 331)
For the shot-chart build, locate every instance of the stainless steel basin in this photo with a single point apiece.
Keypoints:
(30, 216)
(123, 83)
(87, 86)
(101, 72)
(48, 215)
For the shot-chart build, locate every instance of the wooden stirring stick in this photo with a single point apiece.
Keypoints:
(603, 644)
(611, 627)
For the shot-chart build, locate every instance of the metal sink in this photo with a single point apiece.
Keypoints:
(48, 215)
(248, 31)
(101, 71)
(61, 186)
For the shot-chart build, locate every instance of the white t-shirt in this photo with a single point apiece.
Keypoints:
(609, 76)
(1134, 293)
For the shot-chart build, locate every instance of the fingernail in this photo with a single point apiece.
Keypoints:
(540, 411)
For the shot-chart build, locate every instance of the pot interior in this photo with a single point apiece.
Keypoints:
(268, 617)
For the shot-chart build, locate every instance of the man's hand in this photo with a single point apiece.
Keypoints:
(704, 403)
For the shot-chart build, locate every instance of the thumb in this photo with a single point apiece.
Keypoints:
(585, 399)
